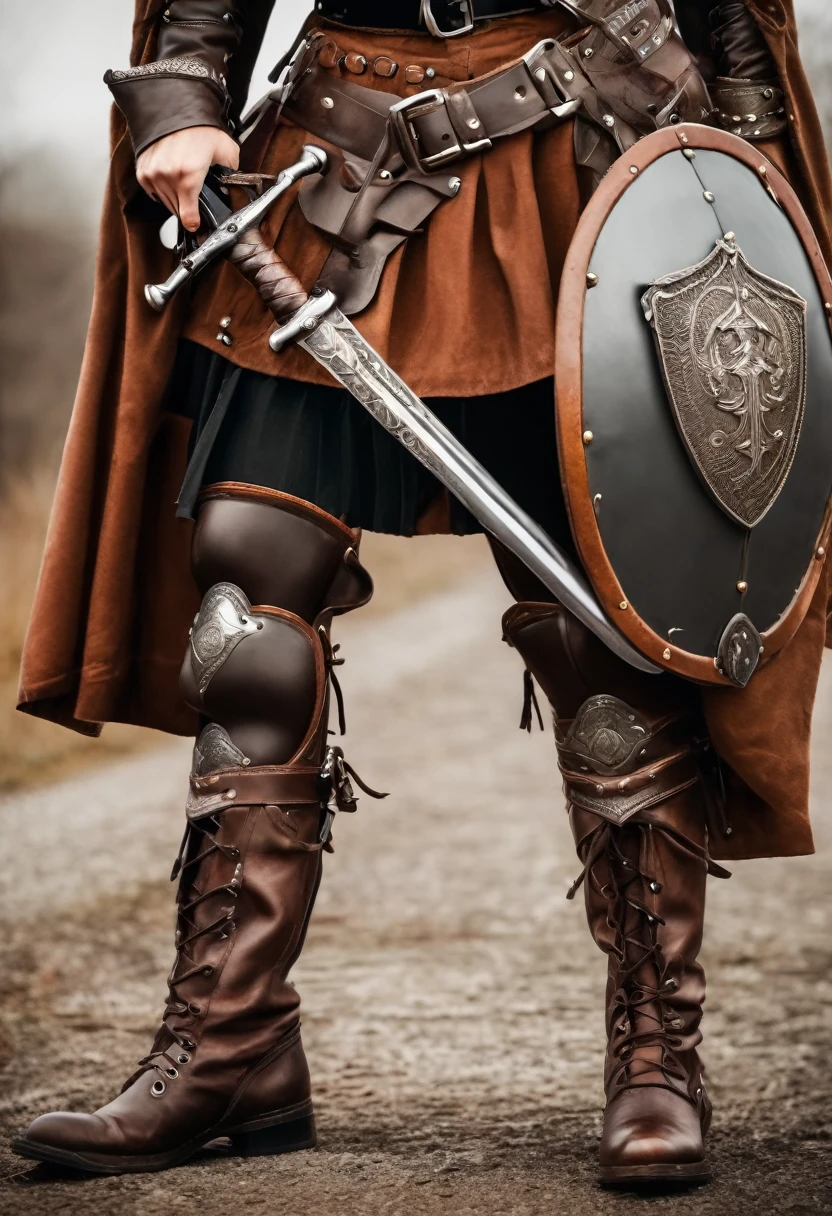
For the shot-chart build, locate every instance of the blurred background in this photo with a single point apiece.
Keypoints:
(53, 162)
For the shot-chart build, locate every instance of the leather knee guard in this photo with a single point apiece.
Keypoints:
(627, 741)
(274, 571)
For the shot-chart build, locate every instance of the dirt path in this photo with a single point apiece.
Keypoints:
(452, 996)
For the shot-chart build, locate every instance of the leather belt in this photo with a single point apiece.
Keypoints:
(442, 18)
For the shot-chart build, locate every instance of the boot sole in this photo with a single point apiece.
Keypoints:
(268, 1136)
(695, 1173)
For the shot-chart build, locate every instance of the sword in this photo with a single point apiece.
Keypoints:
(316, 323)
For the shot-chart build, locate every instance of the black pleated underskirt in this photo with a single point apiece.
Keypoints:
(317, 443)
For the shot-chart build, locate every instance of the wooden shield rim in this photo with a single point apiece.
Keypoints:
(569, 391)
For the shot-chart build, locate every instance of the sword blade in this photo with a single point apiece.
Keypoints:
(337, 345)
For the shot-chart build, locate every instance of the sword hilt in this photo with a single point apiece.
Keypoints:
(237, 228)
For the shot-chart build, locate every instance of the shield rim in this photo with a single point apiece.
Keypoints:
(569, 391)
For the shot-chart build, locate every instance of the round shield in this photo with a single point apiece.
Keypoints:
(694, 402)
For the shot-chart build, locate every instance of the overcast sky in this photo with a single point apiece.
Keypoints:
(55, 108)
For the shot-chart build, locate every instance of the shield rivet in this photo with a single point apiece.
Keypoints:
(763, 170)
(634, 170)
(591, 279)
(828, 307)
(623, 605)
(820, 552)
(588, 437)
(666, 653)
(689, 153)
(708, 197)
(742, 586)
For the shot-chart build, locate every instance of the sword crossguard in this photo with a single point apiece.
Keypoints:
(225, 236)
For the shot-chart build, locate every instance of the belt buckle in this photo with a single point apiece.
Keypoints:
(429, 21)
(400, 115)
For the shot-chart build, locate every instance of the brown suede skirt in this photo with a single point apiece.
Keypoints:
(466, 307)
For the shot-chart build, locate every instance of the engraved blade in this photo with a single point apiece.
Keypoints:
(336, 345)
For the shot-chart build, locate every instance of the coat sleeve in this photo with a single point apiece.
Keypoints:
(199, 71)
(747, 92)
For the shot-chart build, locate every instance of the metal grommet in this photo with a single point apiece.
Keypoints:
(172, 1072)
(385, 67)
(192, 1008)
(183, 1058)
(157, 1089)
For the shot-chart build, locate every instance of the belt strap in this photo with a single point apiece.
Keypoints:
(442, 18)
(397, 153)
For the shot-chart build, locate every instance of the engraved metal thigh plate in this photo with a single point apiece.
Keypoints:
(222, 622)
(215, 752)
(606, 737)
(732, 347)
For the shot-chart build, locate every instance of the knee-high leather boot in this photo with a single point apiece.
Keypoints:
(635, 760)
(227, 1059)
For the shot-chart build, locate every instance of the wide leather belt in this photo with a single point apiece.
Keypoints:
(442, 18)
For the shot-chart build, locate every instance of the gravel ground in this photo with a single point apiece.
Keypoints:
(453, 999)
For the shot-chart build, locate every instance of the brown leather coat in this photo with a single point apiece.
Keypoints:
(115, 599)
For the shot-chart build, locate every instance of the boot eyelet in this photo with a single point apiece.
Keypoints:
(183, 1058)
(172, 1072)
(157, 1089)
(192, 1008)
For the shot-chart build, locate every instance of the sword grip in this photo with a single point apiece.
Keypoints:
(277, 287)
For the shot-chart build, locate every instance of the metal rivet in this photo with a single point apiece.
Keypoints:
(820, 552)
(430, 73)
(730, 236)
(225, 322)
(652, 776)
(762, 170)
(474, 123)
(736, 118)
(666, 653)
(599, 789)
(596, 502)
(742, 586)
(689, 153)
(623, 605)
(226, 339)
(591, 279)
(655, 887)
(634, 170)
(588, 437)
(570, 75)
(828, 307)
(327, 103)
(609, 120)
(708, 197)
(454, 183)
(768, 94)
(683, 139)
(588, 53)
(385, 175)
(540, 74)
(751, 118)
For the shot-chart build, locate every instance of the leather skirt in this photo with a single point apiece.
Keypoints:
(317, 443)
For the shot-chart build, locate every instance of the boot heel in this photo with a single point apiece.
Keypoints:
(280, 1138)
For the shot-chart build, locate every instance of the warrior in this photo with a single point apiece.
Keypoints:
(479, 155)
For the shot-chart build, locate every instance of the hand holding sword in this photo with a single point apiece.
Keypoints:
(316, 323)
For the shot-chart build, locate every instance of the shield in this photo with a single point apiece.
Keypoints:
(694, 388)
